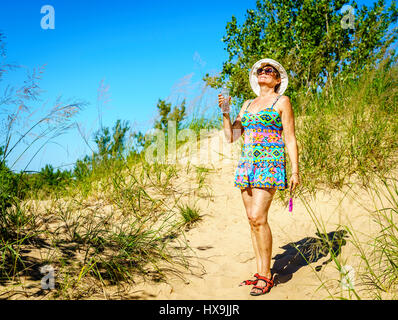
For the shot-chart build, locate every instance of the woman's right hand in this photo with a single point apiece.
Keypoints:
(221, 100)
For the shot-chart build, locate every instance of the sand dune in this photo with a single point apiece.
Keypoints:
(222, 242)
(222, 250)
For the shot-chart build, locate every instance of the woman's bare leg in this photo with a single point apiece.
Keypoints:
(257, 202)
(258, 218)
(247, 196)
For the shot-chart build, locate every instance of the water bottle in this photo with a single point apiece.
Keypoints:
(225, 105)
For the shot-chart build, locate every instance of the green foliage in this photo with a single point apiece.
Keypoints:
(111, 146)
(177, 115)
(49, 179)
(189, 214)
(8, 184)
(139, 141)
(15, 225)
(166, 113)
(82, 168)
(307, 38)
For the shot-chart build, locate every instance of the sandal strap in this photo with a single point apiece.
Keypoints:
(265, 289)
(268, 284)
(250, 282)
(268, 281)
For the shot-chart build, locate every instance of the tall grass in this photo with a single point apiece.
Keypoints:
(376, 274)
(18, 228)
(330, 244)
(379, 254)
(349, 132)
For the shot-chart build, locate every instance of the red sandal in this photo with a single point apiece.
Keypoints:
(265, 289)
(250, 282)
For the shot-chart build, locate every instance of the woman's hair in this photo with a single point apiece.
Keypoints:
(278, 85)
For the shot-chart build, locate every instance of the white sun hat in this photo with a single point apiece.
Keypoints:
(253, 75)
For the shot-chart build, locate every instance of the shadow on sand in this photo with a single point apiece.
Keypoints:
(305, 251)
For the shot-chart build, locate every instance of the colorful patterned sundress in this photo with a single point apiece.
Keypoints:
(262, 163)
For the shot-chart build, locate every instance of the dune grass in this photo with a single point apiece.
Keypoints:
(119, 224)
(348, 133)
(189, 214)
(375, 276)
(379, 254)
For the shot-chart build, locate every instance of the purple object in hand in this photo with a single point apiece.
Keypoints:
(290, 204)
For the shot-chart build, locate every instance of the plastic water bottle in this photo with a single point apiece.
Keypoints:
(225, 106)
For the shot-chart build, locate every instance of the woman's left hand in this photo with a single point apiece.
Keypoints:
(294, 182)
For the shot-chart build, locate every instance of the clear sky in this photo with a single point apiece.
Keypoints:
(143, 50)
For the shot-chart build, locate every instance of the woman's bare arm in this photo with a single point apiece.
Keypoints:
(233, 131)
(289, 132)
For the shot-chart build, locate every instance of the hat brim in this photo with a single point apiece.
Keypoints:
(254, 80)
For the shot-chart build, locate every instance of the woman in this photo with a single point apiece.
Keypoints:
(262, 167)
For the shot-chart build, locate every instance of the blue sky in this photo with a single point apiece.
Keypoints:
(143, 50)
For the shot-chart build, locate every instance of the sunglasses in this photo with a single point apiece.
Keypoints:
(267, 70)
